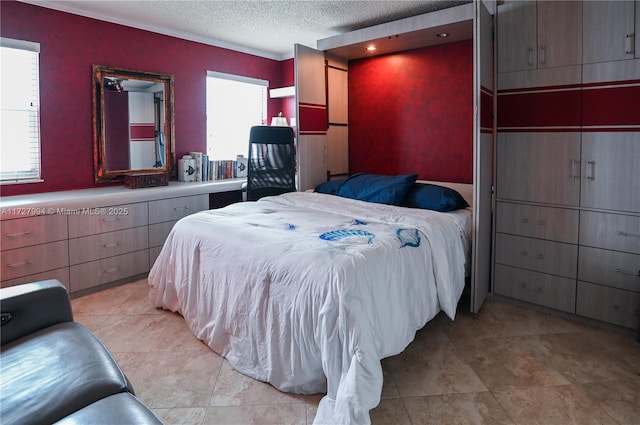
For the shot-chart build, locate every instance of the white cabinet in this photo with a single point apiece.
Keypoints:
(610, 30)
(541, 34)
(568, 159)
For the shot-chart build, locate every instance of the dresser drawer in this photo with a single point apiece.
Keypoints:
(107, 219)
(173, 209)
(60, 274)
(36, 230)
(34, 259)
(611, 305)
(538, 288)
(105, 245)
(94, 273)
(158, 233)
(610, 231)
(537, 254)
(611, 268)
(557, 224)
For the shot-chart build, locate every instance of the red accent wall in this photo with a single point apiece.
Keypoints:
(70, 44)
(412, 112)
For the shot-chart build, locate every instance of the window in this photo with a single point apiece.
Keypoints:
(234, 105)
(19, 111)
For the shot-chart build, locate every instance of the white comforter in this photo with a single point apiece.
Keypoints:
(309, 291)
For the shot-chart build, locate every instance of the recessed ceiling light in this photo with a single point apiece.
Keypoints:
(443, 34)
(371, 48)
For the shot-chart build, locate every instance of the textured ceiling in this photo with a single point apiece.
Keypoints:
(265, 28)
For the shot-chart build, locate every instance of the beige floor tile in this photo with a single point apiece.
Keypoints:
(170, 379)
(457, 409)
(581, 360)
(561, 405)
(181, 416)
(390, 411)
(106, 301)
(619, 399)
(431, 369)
(510, 362)
(276, 414)
(526, 358)
(147, 332)
(234, 388)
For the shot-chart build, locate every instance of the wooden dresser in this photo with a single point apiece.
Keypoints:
(92, 237)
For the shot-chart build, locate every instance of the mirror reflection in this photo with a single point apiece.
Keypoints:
(133, 122)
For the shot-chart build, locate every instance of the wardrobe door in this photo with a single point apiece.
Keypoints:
(611, 171)
(311, 103)
(539, 167)
(608, 30)
(517, 45)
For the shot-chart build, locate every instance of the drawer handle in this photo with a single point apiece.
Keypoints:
(108, 219)
(616, 307)
(15, 235)
(631, 235)
(113, 270)
(186, 207)
(628, 273)
(525, 220)
(111, 245)
(523, 285)
(20, 264)
(526, 254)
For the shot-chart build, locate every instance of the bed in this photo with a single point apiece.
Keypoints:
(309, 291)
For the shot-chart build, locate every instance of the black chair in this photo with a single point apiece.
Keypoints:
(272, 164)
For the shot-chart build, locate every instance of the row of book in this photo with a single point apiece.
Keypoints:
(208, 169)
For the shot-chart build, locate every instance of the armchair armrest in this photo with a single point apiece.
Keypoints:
(30, 307)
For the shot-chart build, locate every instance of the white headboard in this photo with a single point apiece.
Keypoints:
(464, 189)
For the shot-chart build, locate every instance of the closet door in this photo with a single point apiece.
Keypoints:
(610, 176)
(608, 30)
(517, 39)
(559, 33)
(484, 131)
(311, 106)
(539, 167)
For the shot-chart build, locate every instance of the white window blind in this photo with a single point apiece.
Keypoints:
(19, 111)
(234, 105)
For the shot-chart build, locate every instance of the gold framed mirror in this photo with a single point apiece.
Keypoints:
(133, 122)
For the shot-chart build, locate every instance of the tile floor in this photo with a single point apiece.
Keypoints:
(507, 365)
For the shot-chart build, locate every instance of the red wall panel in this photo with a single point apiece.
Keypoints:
(412, 112)
(70, 44)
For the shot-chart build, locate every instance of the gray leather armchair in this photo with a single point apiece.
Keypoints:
(54, 370)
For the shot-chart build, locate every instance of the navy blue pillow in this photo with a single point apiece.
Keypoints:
(330, 187)
(377, 188)
(434, 197)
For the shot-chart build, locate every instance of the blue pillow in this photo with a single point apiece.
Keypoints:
(330, 187)
(434, 197)
(377, 188)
